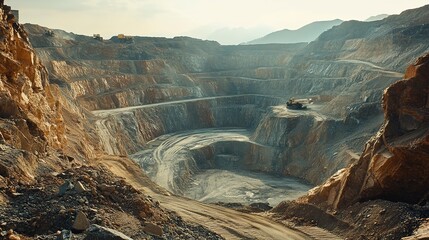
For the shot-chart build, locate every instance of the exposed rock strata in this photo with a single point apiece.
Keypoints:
(394, 163)
(346, 69)
(44, 136)
(31, 121)
(30, 114)
(138, 125)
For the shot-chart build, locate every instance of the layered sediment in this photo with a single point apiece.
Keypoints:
(138, 125)
(392, 166)
(142, 90)
(188, 109)
(383, 194)
(31, 120)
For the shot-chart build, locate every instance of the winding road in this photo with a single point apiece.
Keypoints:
(114, 111)
(372, 65)
(172, 149)
(229, 223)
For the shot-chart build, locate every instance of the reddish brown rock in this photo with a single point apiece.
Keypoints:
(153, 229)
(395, 161)
(81, 223)
(25, 94)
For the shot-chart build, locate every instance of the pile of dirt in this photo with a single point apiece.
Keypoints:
(380, 219)
(377, 219)
(87, 198)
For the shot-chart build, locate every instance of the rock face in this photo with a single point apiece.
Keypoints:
(153, 70)
(394, 163)
(31, 121)
(43, 134)
(81, 223)
(30, 115)
(153, 229)
(137, 126)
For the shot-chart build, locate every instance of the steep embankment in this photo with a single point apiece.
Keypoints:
(113, 77)
(393, 168)
(152, 70)
(394, 162)
(30, 116)
(141, 124)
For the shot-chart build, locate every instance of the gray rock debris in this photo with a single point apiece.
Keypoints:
(97, 232)
(67, 185)
(65, 235)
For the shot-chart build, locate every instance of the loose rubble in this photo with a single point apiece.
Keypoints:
(375, 219)
(56, 207)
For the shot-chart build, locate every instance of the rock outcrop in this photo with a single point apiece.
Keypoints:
(44, 135)
(394, 163)
(30, 114)
(31, 121)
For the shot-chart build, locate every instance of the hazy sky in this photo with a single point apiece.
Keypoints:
(197, 18)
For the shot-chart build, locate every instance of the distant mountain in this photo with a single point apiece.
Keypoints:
(228, 35)
(377, 17)
(233, 36)
(306, 33)
(402, 36)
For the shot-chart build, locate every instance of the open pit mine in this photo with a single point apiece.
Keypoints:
(158, 138)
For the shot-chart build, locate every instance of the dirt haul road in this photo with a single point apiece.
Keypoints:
(226, 222)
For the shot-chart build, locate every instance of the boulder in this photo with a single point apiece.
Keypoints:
(67, 185)
(97, 232)
(81, 223)
(107, 189)
(153, 229)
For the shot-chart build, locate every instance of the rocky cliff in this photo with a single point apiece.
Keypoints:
(48, 153)
(30, 116)
(394, 163)
(389, 43)
(383, 194)
(112, 74)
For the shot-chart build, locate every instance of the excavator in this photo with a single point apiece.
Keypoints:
(298, 104)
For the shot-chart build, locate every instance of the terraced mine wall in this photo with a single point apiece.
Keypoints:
(345, 71)
(135, 127)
